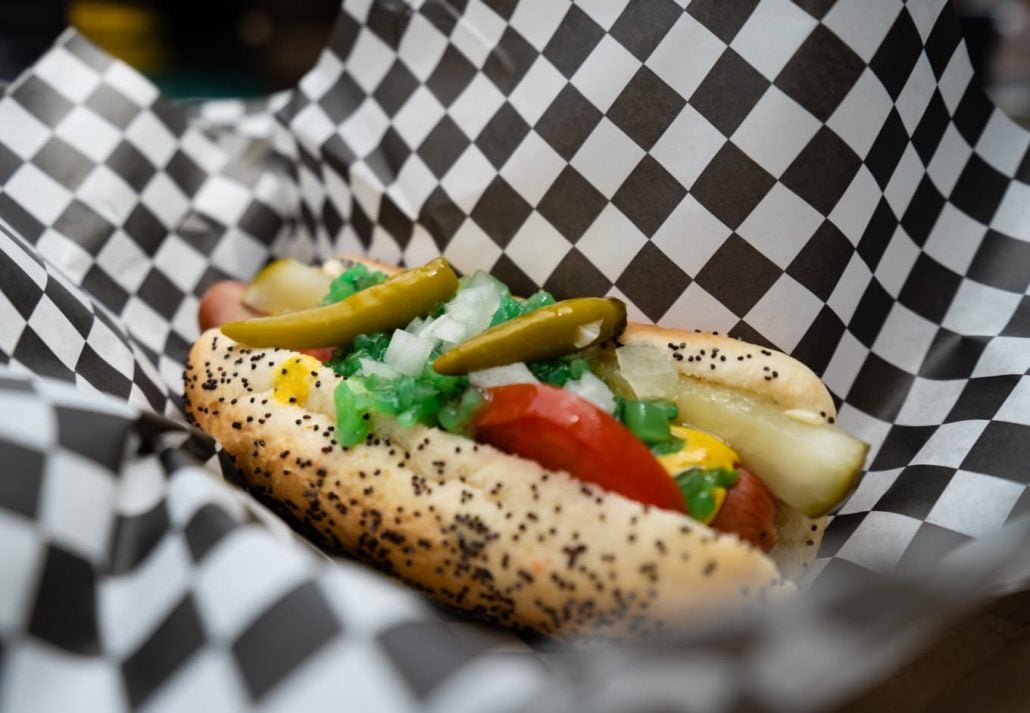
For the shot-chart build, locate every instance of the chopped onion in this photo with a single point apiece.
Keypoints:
(517, 373)
(445, 328)
(586, 334)
(371, 367)
(408, 353)
(474, 307)
(648, 371)
(594, 390)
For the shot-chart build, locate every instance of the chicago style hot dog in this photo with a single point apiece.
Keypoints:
(542, 465)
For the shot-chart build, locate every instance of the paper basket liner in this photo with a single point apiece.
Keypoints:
(827, 178)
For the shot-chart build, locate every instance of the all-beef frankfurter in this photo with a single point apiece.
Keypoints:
(540, 464)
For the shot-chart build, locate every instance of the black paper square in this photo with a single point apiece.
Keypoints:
(206, 528)
(424, 654)
(89, 53)
(64, 163)
(21, 478)
(30, 349)
(573, 41)
(648, 195)
(880, 388)
(171, 645)
(112, 105)
(732, 185)
(388, 158)
(568, 121)
(502, 135)
(501, 211)
(653, 281)
(258, 219)
(171, 115)
(899, 448)
(1002, 262)
(821, 73)
(822, 260)
(9, 163)
(186, 174)
(453, 73)
(86, 227)
(877, 235)
(927, 136)
(283, 636)
(897, 55)
(441, 217)
(917, 487)
(929, 288)
(645, 108)
(1001, 451)
(930, 544)
(389, 21)
(1019, 324)
(444, 145)
(395, 88)
(738, 275)
(20, 219)
(822, 171)
(944, 38)
(887, 149)
(815, 8)
(133, 167)
(160, 294)
(724, 19)
(952, 356)
(19, 288)
(512, 275)
(643, 24)
(972, 113)
(571, 204)
(395, 221)
(725, 110)
(979, 189)
(870, 313)
(71, 307)
(97, 436)
(509, 61)
(576, 276)
(100, 374)
(923, 211)
(503, 8)
(981, 397)
(64, 611)
(443, 14)
(819, 344)
(136, 536)
(42, 101)
(837, 532)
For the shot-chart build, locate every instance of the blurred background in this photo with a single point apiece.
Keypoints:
(246, 48)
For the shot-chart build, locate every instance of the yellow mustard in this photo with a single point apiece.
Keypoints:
(700, 450)
(293, 379)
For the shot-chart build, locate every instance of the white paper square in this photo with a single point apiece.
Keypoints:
(950, 444)
(183, 265)
(20, 131)
(54, 329)
(77, 504)
(471, 249)
(70, 256)
(110, 346)
(785, 312)
(929, 401)
(312, 127)
(369, 60)
(421, 247)
(685, 55)
(1004, 355)
(633, 313)
(954, 239)
(477, 32)
(537, 90)
(1013, 215)
(780, 225)
(222, 198)
(902, 185)
(421, 47)
(687, 146)
(90, 134)
(975, 504)
(870, 489)
(850, 288)
(956, 78)
(208, 680)
(605, 73)
(604, 12)
(325, 73)
(131, 83)
(916, 94)
(949, 160)
(413, 185)
(863, 24)
(468, 178)
(384, 247)
(15, 251)
(697, 309)
(607, 157)
(611, 242)
(1017, 406)
(147, 325)
(925, 14)
(766, 51)
(122, 259)
(364, 128)
(164, 199)
(38, 193)
(203, 151)
(71, 680)
(9, 336)
(775, 131)
(532, 168)
(418, 116)
(366, 188)
(537, 20)
(897, 261)
(67, 74)
(476, 105)
(1003, 143)
(853, 211)
(537, 248)
(880, 540)
(110, 196)
(690, 236)
(845, 364)
(239, 254)
(20, 551)
(904, 338)
(151, 138)
(861, 116)
(979, 309)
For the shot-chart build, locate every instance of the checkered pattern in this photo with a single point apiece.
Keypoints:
(824, 177)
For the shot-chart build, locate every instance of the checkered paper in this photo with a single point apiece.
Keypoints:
(823, 177)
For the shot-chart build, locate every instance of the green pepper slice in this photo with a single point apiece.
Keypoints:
(544, 333)
(388, 305)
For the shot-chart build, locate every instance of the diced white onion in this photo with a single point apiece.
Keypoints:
(371, 367)
(586, 334)
(407, 353)
(648, 370)
(474, 307)
(594, 390)
(445, 328)
(517, 373)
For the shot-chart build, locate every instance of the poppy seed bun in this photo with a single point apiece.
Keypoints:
(489, 533)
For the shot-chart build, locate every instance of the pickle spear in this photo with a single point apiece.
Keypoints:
(388, 305)
(551, 331)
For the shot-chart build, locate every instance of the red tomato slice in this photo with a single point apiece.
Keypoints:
(562, 431)
(748, 511)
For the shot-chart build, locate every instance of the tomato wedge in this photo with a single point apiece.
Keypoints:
(562, 431)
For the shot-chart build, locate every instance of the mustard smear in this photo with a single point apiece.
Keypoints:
(700, 450)
(293, 379)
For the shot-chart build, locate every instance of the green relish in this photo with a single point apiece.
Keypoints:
(354, 279)
(699, 486)
(649, 421)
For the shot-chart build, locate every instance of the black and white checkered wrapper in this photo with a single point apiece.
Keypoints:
(824, 177)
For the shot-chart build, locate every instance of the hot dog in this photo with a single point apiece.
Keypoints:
(491, 521)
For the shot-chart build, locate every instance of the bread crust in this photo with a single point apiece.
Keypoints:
(489, 533)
